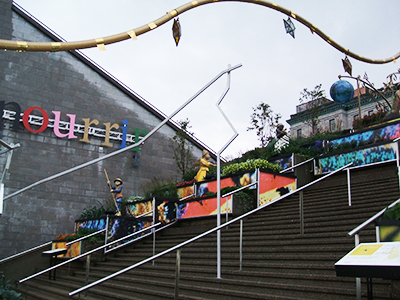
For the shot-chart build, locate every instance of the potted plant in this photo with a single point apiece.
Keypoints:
(389, 224)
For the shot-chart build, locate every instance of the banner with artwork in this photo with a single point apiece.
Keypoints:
(239, 180)
(202, 207)
(119, 227)
(73, 250)
(285, 162)
(94, 224)
(360, 157)
(139, 208)
(274, 185)
(381, 134)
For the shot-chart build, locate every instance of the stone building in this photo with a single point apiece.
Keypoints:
(72, 112)
(333, 116)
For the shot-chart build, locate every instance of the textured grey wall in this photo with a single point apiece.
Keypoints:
(62, 82)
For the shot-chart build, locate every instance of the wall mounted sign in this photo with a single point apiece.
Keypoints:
(70, 129)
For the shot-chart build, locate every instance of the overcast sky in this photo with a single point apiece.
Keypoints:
(276, 67)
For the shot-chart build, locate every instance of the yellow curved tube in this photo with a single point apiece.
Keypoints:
(66, 46)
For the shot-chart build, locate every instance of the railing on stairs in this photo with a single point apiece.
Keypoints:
(356, 234)
(181, 245)
(4, 260)
(90, 251)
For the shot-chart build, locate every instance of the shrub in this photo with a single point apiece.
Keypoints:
(6, 291)
(249, 165)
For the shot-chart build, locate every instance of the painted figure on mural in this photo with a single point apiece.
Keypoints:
(117, 191)
(204, 164)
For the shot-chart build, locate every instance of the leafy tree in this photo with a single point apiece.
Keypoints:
(313, 101)
(264, 122)
(181, 147)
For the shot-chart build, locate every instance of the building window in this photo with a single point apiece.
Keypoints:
(299, 133)
(332, 125)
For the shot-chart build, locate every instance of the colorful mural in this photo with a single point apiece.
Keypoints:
(119, 227)
(166, 211)
(139, 208)
(273, 186)
(284, 162)
(185, 191)
(361, 157)
(73, 250)
(236, 180)
(202, 207)
(382, 134)
(98, 224)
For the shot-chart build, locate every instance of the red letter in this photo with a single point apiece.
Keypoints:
(25, 119)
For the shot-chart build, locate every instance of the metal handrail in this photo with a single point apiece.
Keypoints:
(298, 165)
(187, 197)
(85, 254)
(373, 218)
(85, 237)
(176, 247)
(24, 252)
(238, 190)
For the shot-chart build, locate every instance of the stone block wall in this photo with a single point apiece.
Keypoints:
(66, 82)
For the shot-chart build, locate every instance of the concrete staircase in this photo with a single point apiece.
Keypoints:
(279, 262)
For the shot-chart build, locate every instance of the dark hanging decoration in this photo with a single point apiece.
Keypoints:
(289, 26)
(176, 31)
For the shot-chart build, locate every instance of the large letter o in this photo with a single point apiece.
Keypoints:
(25, 119)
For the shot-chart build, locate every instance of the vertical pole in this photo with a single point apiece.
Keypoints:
(398, 162)
(377, 234)
(106, 234)
(359, 99)
(241, 245)
(301, 211)
(227, 208)
(153, 229)
(358, 280)
(349, 185)
(218, 216)
(258, 187)
(87, 271)
(177, 273)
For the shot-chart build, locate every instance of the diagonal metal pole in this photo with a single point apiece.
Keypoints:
(128, 147)
(219, 173)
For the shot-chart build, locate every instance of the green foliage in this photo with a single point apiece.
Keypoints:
(264, 122)
(181, 147)
(82, 232)
(370, 120)
(249, 165)
(134, 199)
(392, 213)
(6, 291)
(313, 101)
(161, 187)
(189, 175)
(92, 212)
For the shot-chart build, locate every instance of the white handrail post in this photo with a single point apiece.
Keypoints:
(377, 234)
(241, 245)
(177, 273)
(358, 280)
(154, 232)
(349, 185)
(301, 208)
(219, 171)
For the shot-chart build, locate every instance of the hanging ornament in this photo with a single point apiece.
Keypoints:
(289, 26)
(176, 31)
(347, 65)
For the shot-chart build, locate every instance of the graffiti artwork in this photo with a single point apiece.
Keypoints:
(361, 157)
